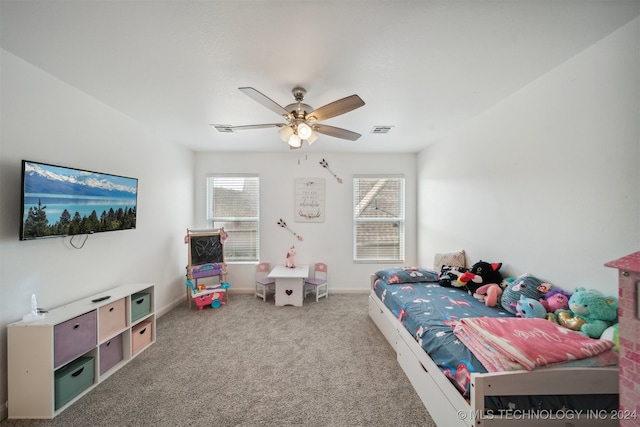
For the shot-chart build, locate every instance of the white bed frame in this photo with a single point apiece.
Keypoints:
(448, 408)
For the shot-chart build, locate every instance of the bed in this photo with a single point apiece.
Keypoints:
(420, 319)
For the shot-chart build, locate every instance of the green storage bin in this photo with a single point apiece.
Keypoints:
(73, 379)
(140, 305)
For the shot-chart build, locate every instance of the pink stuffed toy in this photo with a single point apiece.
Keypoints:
(489, 293)
(290, 261)
(555, 299)
(223, 235)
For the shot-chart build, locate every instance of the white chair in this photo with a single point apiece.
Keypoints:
(264, 284)
(317, 284)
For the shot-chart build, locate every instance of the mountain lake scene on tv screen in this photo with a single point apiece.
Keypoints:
(61, 201)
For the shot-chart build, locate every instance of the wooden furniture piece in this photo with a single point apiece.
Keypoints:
(629, 333)
(289, 284)
(54, 361)
(317, 285)
(265, 285)
(448, 407)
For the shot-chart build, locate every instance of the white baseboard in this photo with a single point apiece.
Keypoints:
(173, 304)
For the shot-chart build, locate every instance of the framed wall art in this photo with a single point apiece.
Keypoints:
(309, 200)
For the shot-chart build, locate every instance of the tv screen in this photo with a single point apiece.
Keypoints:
(62, 201)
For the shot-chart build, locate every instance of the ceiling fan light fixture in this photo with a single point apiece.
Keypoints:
(301, 119)
(295, 141)
(304, 131)
(285, 133)
(312, 138)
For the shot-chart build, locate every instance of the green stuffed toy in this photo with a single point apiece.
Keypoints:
(589, 313)
(612, 334)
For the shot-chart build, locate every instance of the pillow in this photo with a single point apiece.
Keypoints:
(453, 259)
(527, 285)
(407, 275)
(611, 334)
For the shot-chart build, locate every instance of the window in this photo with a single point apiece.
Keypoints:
(233, 202)
(378, 218)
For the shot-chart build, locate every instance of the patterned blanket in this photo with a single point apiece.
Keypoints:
(505, 344)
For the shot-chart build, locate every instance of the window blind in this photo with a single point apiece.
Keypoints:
(378, 218)
(233, 202)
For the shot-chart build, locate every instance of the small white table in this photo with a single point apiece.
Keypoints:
(290, 284)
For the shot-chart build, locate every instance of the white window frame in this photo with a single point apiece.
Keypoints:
(396, 219)
(250, 245)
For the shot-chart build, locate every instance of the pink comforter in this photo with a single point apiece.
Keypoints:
(505, 344)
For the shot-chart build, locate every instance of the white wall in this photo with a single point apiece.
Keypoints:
(329, 241)
(43, 119)
(547, 181)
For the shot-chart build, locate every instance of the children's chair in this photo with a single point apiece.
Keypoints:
(318, 283)
(264, 284)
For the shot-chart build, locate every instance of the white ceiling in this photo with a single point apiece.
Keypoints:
(423, 67)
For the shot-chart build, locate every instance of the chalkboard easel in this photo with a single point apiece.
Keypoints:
(206, 256)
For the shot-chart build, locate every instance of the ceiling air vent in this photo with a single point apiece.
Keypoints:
(223, 128)
(380, 129)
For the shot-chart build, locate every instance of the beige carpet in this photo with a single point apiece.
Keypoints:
(250, 363)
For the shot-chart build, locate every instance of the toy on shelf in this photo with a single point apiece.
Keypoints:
(212, 295)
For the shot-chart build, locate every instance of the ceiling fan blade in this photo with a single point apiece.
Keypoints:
(336, 132)
(335, 108)
(262, 126)
(265, 101)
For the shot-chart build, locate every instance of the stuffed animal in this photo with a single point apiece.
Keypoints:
(612, 334)
(490, 293)
(555, 299)
(481, 273)
(449, 276)
(527, 285)
(223, 235)
(589, 312)
(529, 307)
(290, 261)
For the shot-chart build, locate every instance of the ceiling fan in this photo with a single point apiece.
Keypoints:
(302, 120)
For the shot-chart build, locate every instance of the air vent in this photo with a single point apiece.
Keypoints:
(223, 128)
(381, 129)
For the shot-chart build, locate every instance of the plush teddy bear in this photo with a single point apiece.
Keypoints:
(527, 285)
(481, 273)
(290, 261)
(589, 312)
(555, 299)
(529, 307)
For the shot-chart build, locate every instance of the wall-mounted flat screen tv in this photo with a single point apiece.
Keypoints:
(63, 201)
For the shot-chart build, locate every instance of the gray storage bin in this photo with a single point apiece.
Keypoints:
(140, 305)
(73, 379)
